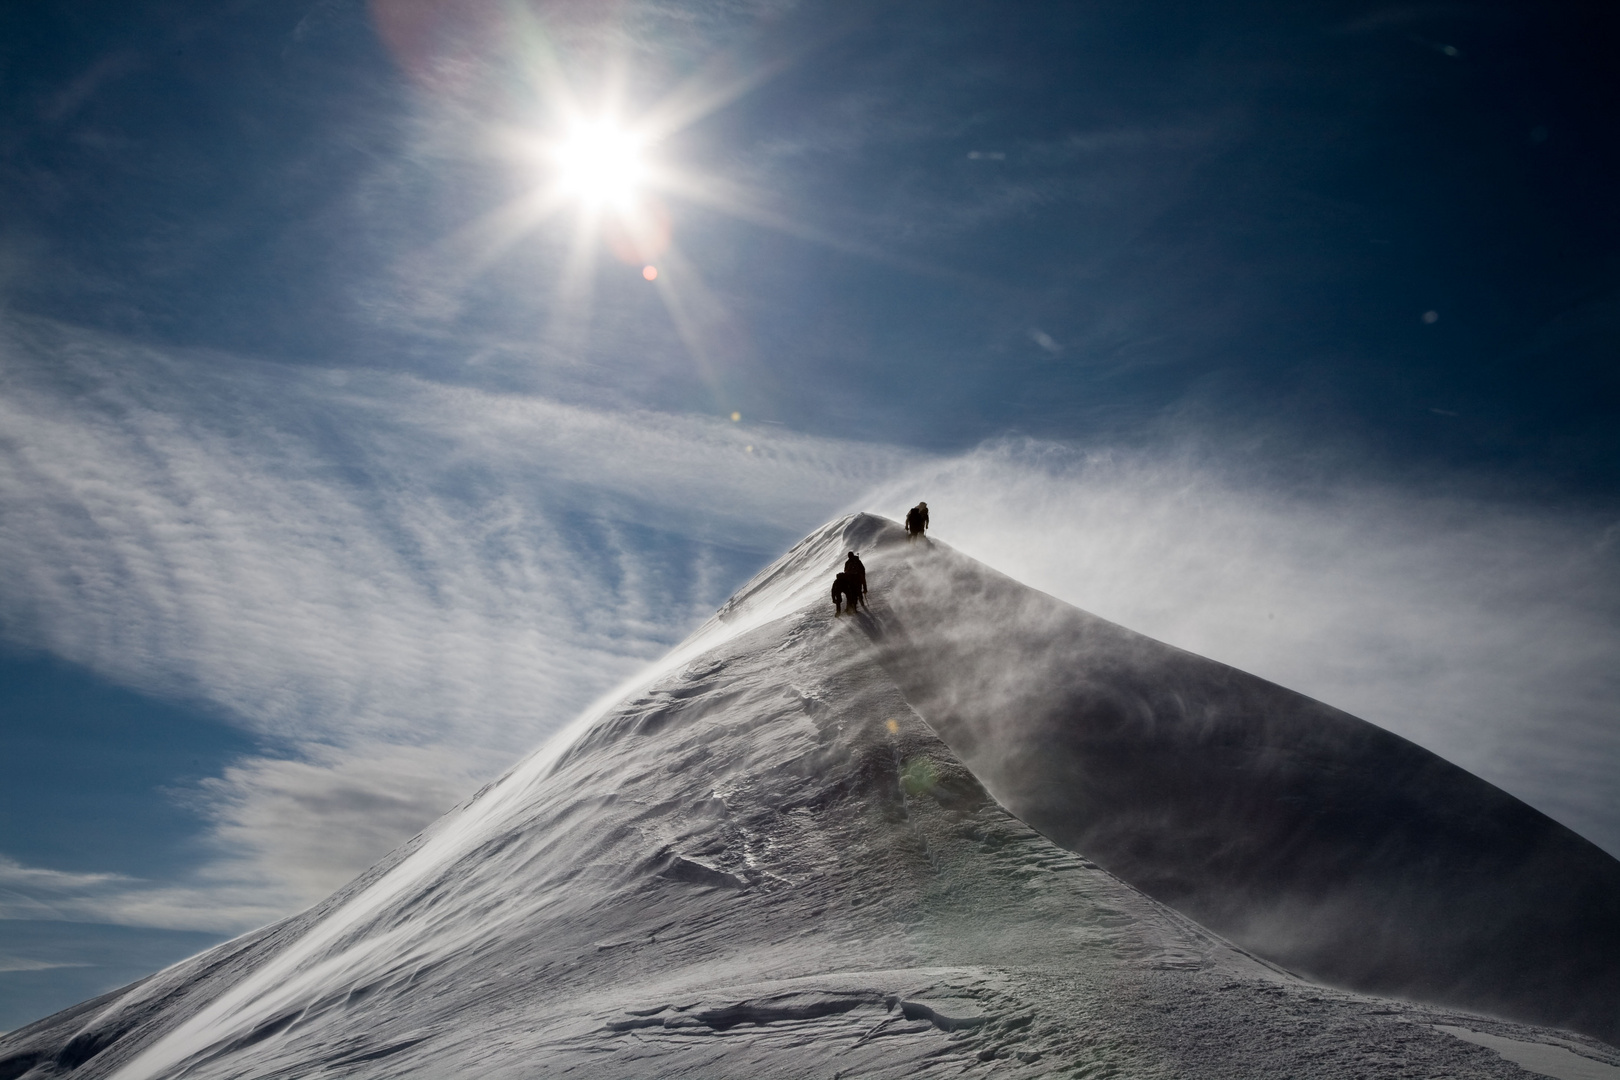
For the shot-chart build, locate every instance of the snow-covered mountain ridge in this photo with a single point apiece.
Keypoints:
(775, 857)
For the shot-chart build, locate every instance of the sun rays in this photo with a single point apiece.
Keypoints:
(600, 171)
(603, 178)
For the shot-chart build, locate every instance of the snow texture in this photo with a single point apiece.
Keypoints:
(791, 851)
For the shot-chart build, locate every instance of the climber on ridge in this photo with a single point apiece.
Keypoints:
(917, 520)
(840, 590)
(855, 573)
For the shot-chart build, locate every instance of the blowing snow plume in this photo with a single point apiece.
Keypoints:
(1312, 837)
(792, 850)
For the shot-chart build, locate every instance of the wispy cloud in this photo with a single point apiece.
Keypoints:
(1045, 341)
(1476, 625)
(284, 832)
(209, 903)
(400, 586)
(19, 963)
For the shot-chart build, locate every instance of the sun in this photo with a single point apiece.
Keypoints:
(607, 170)
(601, 163)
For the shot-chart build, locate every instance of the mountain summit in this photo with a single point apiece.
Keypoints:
(969, 828)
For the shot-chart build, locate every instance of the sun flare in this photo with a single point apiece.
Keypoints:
(601, 163)
(606, 174)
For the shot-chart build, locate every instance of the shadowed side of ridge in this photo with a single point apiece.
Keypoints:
(1312, 837)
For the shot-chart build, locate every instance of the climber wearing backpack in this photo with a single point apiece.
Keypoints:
(855, 575)
(917, 520)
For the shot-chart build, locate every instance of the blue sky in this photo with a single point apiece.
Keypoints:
(335, 474)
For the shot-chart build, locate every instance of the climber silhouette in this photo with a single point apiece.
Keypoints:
(840, 589)
(855, 573)
(917, 520)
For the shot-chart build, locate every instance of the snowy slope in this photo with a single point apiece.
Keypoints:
(762, 861)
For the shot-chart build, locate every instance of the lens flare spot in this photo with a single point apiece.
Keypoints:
(918, 776)
(736, 416)
(650, 272)
(893, 725)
